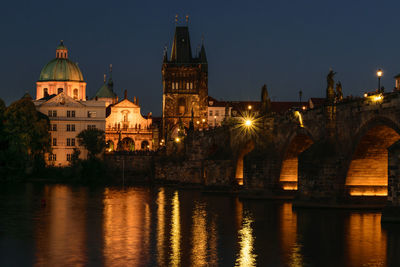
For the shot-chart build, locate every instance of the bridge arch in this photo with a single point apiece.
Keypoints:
(239, 175)
(367, 171)
(298, 141)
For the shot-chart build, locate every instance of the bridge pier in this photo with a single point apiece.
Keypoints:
(319, 177)
(391, 213)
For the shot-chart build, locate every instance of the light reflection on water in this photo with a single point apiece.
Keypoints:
(163, 227)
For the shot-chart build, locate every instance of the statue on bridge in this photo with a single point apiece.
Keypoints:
(330, 92)
(339, 92)
(265, 101)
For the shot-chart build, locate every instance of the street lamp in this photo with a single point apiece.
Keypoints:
(379, 73)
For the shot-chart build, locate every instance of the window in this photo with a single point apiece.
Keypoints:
(71, 113)
(191, 85)
(91, 127)
(52, 157)
(54, 141)
(211, 112)
(187, 86)
(173, 86)
(59, 90)
(217, 113)
(52, 113)
(70, 141)
(70, 127)
(53, 127)
(45, 92)
(69, 157)
(91, 114)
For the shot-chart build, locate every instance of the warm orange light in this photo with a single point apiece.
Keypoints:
(249, 107)
(365, 95)
(289, 187)
(377, 98)
(177, 139)
(304, 107)
(379, 73)
(203, 120)
(248, 122)
(368, 192)
(198, 122)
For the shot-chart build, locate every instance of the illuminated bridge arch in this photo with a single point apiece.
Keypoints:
(298, 142)
(367, 172)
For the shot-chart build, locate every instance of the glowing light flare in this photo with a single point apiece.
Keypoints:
(248, 123)
(379, 73)
(249, 107)
(177, 139)
(377, 98)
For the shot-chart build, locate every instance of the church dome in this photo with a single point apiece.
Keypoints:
(61, 68)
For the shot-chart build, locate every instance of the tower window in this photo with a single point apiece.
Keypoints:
(191, 86)
(45, 92)
(59, 90)
(187, 86)
(173, 86)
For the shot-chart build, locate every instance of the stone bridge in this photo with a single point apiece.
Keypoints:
(328, 155)
(333, 153)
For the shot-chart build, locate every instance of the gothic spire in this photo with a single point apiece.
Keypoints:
(181, 49)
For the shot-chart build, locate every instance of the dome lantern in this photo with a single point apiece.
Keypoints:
(62, 51)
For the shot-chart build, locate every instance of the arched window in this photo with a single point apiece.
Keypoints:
(187, 86)
(173, 86)
(181, 106)
(75, 93)
(45, 92)
(59, 90)
(191, 86)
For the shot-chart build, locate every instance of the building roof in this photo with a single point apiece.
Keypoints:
(61, 69)
(241, 106)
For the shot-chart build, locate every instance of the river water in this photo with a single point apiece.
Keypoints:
(60, 225)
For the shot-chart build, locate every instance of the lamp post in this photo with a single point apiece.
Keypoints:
(379, 73)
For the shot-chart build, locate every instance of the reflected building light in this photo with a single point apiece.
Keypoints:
(199, 236)
(175, 232)
(246, 255)
(160, 227)
(213, 247)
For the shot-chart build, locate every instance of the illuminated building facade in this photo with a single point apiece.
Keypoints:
(68, 117)
(127, 129)
(61, 75)
(185, 85)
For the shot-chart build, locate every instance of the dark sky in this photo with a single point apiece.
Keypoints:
(289, 45)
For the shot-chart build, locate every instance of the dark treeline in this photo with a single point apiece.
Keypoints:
(25, 139)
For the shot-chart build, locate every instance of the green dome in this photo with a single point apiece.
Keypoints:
(61, 69)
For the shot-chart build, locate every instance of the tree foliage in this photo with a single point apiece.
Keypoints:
(93, 140)
(25, 135)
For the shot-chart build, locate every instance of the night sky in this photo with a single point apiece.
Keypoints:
(289, 45)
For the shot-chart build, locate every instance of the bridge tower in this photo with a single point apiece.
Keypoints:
(185, 85)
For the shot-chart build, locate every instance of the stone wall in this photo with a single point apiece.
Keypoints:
(132, 168)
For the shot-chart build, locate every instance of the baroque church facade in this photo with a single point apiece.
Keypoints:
(185, 86)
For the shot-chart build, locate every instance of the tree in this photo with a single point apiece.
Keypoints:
(26, 133)
(93, 140)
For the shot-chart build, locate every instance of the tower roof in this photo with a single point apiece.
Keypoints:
(181, 49)
(106, 91)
